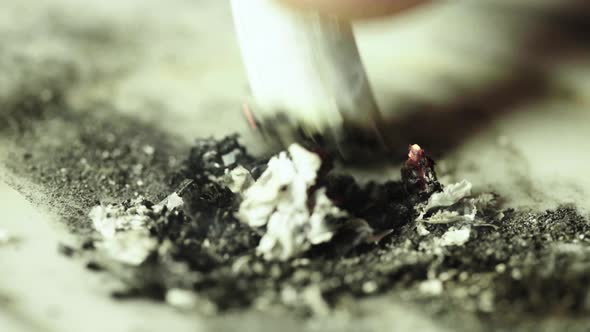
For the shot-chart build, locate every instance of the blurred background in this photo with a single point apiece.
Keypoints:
(497, 90)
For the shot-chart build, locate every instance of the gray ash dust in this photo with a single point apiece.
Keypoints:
(72, 160)
(513, 263)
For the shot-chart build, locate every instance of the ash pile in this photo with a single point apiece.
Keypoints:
(286, 233)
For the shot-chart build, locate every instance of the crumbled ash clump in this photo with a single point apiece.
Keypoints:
(201, 245)
(282, 201)
(448, 249)
(210, 159)
(125, 228)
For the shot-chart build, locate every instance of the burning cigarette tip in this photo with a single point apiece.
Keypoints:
(418, 173)
(415, 153)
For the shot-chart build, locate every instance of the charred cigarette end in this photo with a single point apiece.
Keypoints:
(349, 143)
(305, 73)
(419, 175)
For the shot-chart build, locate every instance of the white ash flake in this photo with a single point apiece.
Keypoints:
(465, 213)
(310, 297)
(421, 229)
(280, 201)
(454, 205)
(110, 219)
(125, 236)
(237, 180)
(180, 298)
(171, 202)
(455, 237)
(149, 150)
(6, 238)
(449, 197)
(130, 247)
(187, 300)
(230, 158)
(433, 287)
(319, 231)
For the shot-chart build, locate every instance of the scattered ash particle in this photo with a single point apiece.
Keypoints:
(209, 159)
(432, 287)
(7, 239)
(188, 300)
(456, 236)
(116, 218)
(238, 180)
(93, 266)
(66, 250)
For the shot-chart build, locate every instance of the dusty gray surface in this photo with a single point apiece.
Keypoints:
(176, 63)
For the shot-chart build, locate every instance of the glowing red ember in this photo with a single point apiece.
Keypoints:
(418, 173)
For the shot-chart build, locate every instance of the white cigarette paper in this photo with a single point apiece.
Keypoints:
(303, 64)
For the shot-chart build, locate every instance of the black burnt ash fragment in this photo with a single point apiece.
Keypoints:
(167, 225)
(66, 250)
(210, 158)
(383, 205)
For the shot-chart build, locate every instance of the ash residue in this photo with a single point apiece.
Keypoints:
(500, 264)
(512, 262)
(203, 247)
(75, 159)
(523, 265)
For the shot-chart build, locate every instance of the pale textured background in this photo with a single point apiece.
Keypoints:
(178, 59)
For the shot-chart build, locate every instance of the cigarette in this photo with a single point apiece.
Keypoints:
(303, 67)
